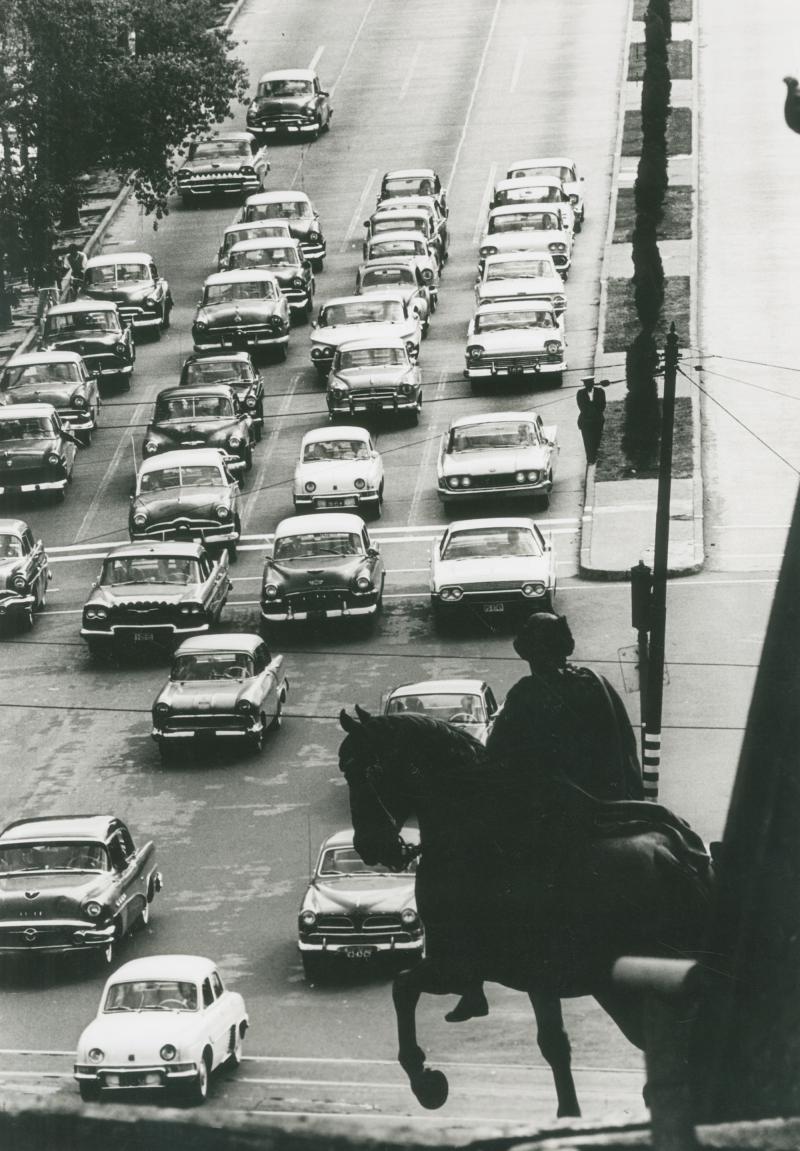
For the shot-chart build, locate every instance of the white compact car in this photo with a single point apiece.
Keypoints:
(563, 169)
(164, 1022)
(517, 339)
(514, 275)
(528, 228)
(497, 454)
(468, 703)
(338, 468)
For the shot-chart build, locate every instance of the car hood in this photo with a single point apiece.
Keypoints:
(540, 288)
(243, 312)
(363, 377)
(28, 450)
(494, 460)
(188, 432)
(180, 500)
(36, 894)
(141, 1034)
(338, 333)
(57, 394)
(326, 472)
(517, 339)
(492, 570)
(209, 695)
(274, 104)
(524, 241)
(81, 344)
(144, 593)
(329, 571)
(353, 893)
(226, 164)
(135, 291)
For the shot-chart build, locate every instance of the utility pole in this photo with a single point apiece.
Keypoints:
(651, 756)
(641, 597)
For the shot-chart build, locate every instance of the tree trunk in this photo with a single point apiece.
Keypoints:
(70, 210)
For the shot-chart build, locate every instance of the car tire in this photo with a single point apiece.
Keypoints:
(89, 1092)
(322, 372)
(107, 952)
(196, 1092)
(40, 596)
(441, 617)
(234, 1060)
(281, 352)
(317, 264)
(315, 966)
(556, 379)
(99, 653)
(144, 916)
(277, 719)
(165, 315)
(26, 623)
(258, 427)
(257, 740)
(188, 200)
(414, 415)
(248, 460)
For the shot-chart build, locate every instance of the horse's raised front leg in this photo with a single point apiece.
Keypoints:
(554, 1045)
(430, 1087)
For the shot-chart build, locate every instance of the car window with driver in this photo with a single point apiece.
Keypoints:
(317, 544)
(151, 995)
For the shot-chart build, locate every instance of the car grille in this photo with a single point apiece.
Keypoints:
(324, 600)
(146, 615)
(39, 935)
(202, 720)
(183, 527)
(500, 480)
(240, 333)
(520, 360)
(219, 182)
(375, 929)
(500, 586)
(131, 312)
(26, 473)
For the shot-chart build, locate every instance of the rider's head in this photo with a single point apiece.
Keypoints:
(545, 641)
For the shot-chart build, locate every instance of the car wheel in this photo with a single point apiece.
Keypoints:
(556, 379)
(322, 372)
(165, 315)
(40, 595)
(85, 438)
(257, 739)
(188, 199)
(108, 950)
(89, 1092)
(236, 1044)
(317, 264)
(441, 617)
(144, 915)
(320, 128)
(258, 429)
(26, 623)
(414, 416)
(233, 551)
(248, 460)
(314, 966)
(277, 718)
(281, 352)
(196, 1092)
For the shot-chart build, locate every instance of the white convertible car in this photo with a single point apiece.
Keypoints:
(497, 454)
(166, 1021)
(338, 468)
(518, 338)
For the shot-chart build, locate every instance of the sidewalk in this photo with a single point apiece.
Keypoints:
(618, 527)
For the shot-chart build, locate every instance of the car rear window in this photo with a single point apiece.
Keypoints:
(480, 543)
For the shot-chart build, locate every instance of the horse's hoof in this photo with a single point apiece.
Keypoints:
(431, 1089)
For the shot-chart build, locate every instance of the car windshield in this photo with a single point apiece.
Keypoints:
(236, 665)
(361, 312)
(335, 450)
(560, 171)
(151, 995)
(61, 856)
(257, 232)
(240, 290)
(287, 209)
(107, 275)
(393, 222)
(222, 149)
(72, 323)
(10, 546)
(441, 705)
(193, 408)
(513, 318)
(536, 194)
(408, 186)
(479, 543)
(41, 375)
(217, 372)
(371, 358)
(313, 544)
(186, 476)
(524, 222)
(121, 570)
(380, 248)
(519, 269)
(265, 258)
(27, 428)
(346, 861)
(283, 88)
(386, 277)
(480, 437)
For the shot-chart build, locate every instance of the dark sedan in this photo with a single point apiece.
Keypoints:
(291, 102)
(187, 495)
(235, 369)
(242, 310)
(131, 281)
(24, 574)
(230, 163)
(300, 214)
(93, 329)
(37, 454)
(202, 416)
(58, 378)
(284, 258)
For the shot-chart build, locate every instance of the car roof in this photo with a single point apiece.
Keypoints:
(246, 225)
(227, 641)
(492, 418)
(13, 527)
(240, 276)
(54, 357)
(216, 354)
(412, 213)
(264, 242)
(84, 304)
(401, 173)
(178, 967)
(120, 258)
(344, 838)
(233, 135)
(190, 549)
(20, 411)
(529, 182)
(320, 522)
(399, 234)
(514, 209)
(430, 686)
(59, 826)
(334, 432)
(181, 391)
(543, 161)
(181, 457)
(277, 195)
(491, 522)
(516, 257)
(524, 305)
(288, 74)
(387, 341)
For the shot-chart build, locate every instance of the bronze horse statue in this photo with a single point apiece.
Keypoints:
(539, 891)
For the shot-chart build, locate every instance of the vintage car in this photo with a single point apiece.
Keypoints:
(265, 230)
(291, 102)
(223, 686)
(432, 208)
(355, 912)
(242, 310)
(131, 281)
(535, 190)
(514, 275)
(401, 274)
(164, 1022)
(154, 593)
(338, 468)
(406, 245)
(296, 208)
(95, 331)
(235, 369)
(285, 259)
(405, 220)
(564, 170)
(375, 376)
(348, 318)
(202, 416)
(322, 567)
(404, 182)
(24, 574)
(187, 495)
(37, 454)
(229, 163)
(72, 883)
(468, 703)
(497, 454)
(58, 378)
(491, 568)
(528, 228)
(517, 339)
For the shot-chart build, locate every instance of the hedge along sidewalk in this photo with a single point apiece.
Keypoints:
(618, 526)
(104, 190)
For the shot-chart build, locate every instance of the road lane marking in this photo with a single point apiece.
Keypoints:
(518, 64)
(473, 94)
(110, 471)
(353, 43)
(263, 467)
(358, 213)
(410, 72)
(480, 223)
(316, 58)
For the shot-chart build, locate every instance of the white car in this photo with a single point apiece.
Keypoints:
(468, 703)
(561, 167)
(164, 1022)
(497, 453)
(338, 468)
(355, 317)
(491, 568)
(517, 339)
(535, 190)
(512, 275)
(401, 274)
(263, 230)
(387, 245)
(528, 228)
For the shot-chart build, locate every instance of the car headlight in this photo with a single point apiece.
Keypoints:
(454, 481)
(427, 275)
(552, 347)
(532, 589)
(246, 707)
(235, 441)
(559, 301)
(151, 301)
(363, 583)
(150, 447)
(250, 401)
(120, 348)
(93, 909)
(140, 520)
(451, 593)
(222, 512)
(182, 175)
(96, 1055)
(488, 250)
(190, 608)
(201, 325)
(408, 916)
(313, 237)
(162, 709)
(310, 486)
(270, 591)
(406, 389)
(466, 482)
(520, 477)
(96, 613)
(411, 347)
(337, 385)
(557, 247)
(359, 485)
(277, 322)
(573, 199)
(319, 352)
(298, 282)
(19, 583)
(168, 1052)
(533, 477)
(53, 459)
(308, 918)
(78, 401)
(475, 352)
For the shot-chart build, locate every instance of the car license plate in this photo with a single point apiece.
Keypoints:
(359, 953)
(143, 636)
(515, 370)
(494, 607)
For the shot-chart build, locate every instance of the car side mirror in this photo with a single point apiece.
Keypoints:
(324, 93)
(373, 552)
(314, 324)
(366, 223)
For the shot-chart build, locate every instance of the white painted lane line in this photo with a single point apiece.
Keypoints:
(353, 43)
(473, 94)
(125, 444)
(265, 462)
(518, 64)
(410, 73)
(358, 215)
(316, 57)
(483, 211)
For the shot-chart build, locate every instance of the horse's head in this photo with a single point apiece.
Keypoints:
(379, 802)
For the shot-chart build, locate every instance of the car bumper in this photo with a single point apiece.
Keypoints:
(284, 128)
(239, 339)
(140, 633)
(492, 602)
(41, 486)
(12, 606)
(321, 503)
(339, 946)
(227, 186)
(284, 614)
(313, 251)
(373, 404)
(74, 423)
(53, 936)
(223, 534)
(517, 491)
(156, 1075)
(526, 368)
(208, 728)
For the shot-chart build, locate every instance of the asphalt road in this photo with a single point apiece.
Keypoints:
(466, 86)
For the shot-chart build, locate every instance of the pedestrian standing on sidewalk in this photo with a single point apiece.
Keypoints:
(591, 408)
